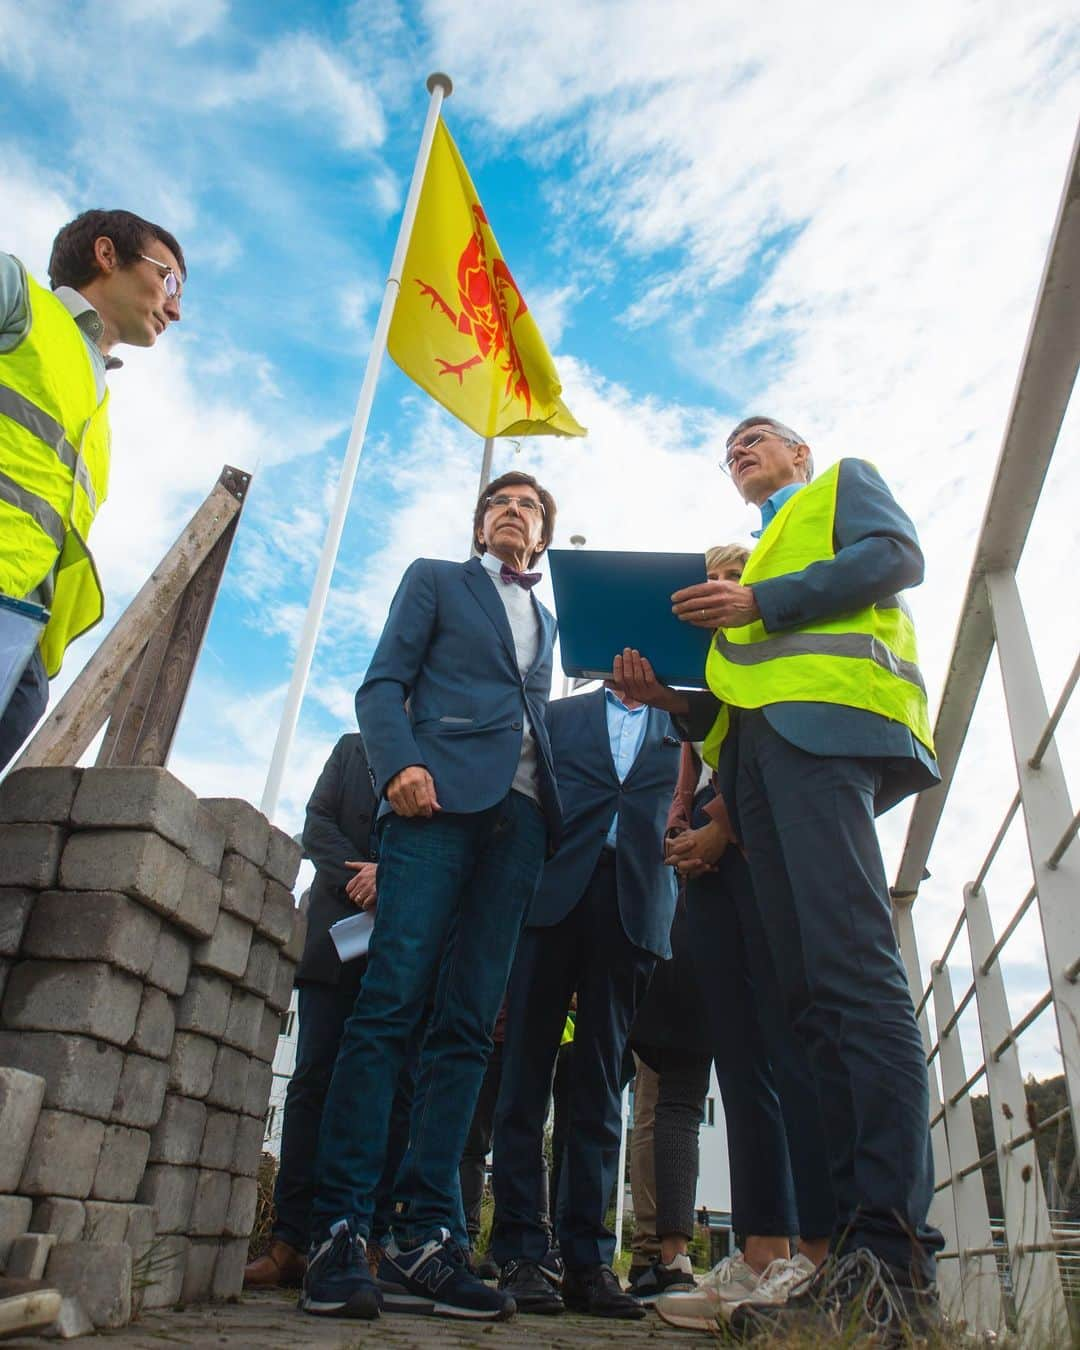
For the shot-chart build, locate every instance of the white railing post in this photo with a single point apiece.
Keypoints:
(942, 1212)
(981, 1289)
(1044, 797)
(1040, 1304)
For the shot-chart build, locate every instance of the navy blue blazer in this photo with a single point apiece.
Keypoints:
(590, 792)
(877, 556)
(337, 828)
(443, 690)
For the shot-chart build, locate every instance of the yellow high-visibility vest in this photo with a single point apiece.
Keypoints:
(54, 470)
(867, 658)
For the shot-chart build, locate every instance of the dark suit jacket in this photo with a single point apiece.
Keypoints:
(590, 792)
(443, 690)
(338, 827)
(877, 557)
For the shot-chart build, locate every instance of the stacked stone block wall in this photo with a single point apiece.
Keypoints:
(148, 942)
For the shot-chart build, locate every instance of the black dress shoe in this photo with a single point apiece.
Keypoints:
(533, 1292)
(483, 1267)
(596, 1290)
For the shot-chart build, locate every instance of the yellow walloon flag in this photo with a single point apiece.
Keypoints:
(461, 328)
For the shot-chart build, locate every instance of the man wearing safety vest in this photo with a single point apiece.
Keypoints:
(814, 669)
(115, 278)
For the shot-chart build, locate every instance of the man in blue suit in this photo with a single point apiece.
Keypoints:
(600, 920)
(452, 716)
(815, 668)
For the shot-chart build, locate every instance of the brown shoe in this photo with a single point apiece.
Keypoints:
(282, 1267)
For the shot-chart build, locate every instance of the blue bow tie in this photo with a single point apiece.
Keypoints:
(526, 580)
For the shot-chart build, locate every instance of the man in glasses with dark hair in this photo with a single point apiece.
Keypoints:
(116, 278)
(452, 716)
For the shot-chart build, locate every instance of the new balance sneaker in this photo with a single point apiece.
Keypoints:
(731, 1282)
(435, 1278)
(855, 1295)
(596, 1290)
(338, 1282)
(532, 1288)
(650, 1282)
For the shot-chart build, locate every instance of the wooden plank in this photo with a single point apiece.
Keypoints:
(80, 714)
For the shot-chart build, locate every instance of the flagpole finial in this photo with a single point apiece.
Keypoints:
(439, 80)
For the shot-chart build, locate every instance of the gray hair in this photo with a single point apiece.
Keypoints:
(785, 433)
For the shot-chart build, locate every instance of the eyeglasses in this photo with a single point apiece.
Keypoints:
(172, 285)
(526, 505)
(746, 442)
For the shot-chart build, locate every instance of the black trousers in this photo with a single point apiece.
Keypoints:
(23, 712)
(323, 1011)
(589, 953)
(680, 1104)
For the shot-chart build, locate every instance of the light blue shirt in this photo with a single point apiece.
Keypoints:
(771, 505)
(626, 732)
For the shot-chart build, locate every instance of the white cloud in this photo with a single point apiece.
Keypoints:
(186, 20)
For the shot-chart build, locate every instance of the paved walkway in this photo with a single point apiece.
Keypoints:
(270, 1322)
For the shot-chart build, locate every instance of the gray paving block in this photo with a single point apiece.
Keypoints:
(155, 1025)
(210, 1204)
(107, 1221)
(141, 1091)
(204, 1007)
(294, 948)
(64, 1217)
(134, 797)
(92, 926)
(40, 794)
(15, 1213)
(200, 901)
(5, 971)
(278, 913)
(81, 1074)
(28, 1255)
(260, 1080)
(191, 1064)
(160, 1275)
(172, 961)
(243, 1202)
(21, 1095)
(261, 972)
(228, 1279)
(177, 1137)
(137, 862)
(242, 886)
(226, 952)
(268, 1037)
(71, 1322)
(202, 1257)
(63, 1155)
(250, 1133)
(139, 1235)
(219, 1140)
(208, 842)
(15, 906)
(245, 1021)
(30, 855)
(98, 1274)
(247, 831)
(123, 1160)
(230, 1079)
(170, 1190)
(280, 996)
(87, 997)
(283, 855)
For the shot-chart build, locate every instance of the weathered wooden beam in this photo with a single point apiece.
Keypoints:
(80, 714)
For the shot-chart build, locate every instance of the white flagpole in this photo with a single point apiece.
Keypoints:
(440, 88)
(485, 474)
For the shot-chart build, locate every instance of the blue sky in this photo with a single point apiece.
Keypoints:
(836, 213)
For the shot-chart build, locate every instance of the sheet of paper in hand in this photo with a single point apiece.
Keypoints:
(606, 601)
(351, 936)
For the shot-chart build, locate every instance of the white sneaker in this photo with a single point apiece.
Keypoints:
(727, 1285)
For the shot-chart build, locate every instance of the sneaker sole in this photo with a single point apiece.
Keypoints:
(364, 1306)
(401, 1301)
(650, 1300)
(475, 1314)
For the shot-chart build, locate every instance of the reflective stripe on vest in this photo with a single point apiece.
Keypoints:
(865, 659)
(49, 430)
(37, 508)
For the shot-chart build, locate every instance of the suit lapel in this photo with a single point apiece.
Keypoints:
(484, 594)
(597, 720)
(547, 633)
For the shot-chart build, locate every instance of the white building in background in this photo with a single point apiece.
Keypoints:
(284, 1064)
(714, 1174)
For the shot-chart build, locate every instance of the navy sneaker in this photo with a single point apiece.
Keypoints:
(338, 1282)
(435, 1278)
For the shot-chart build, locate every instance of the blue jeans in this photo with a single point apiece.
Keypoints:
(453, 894)
(23, 712)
